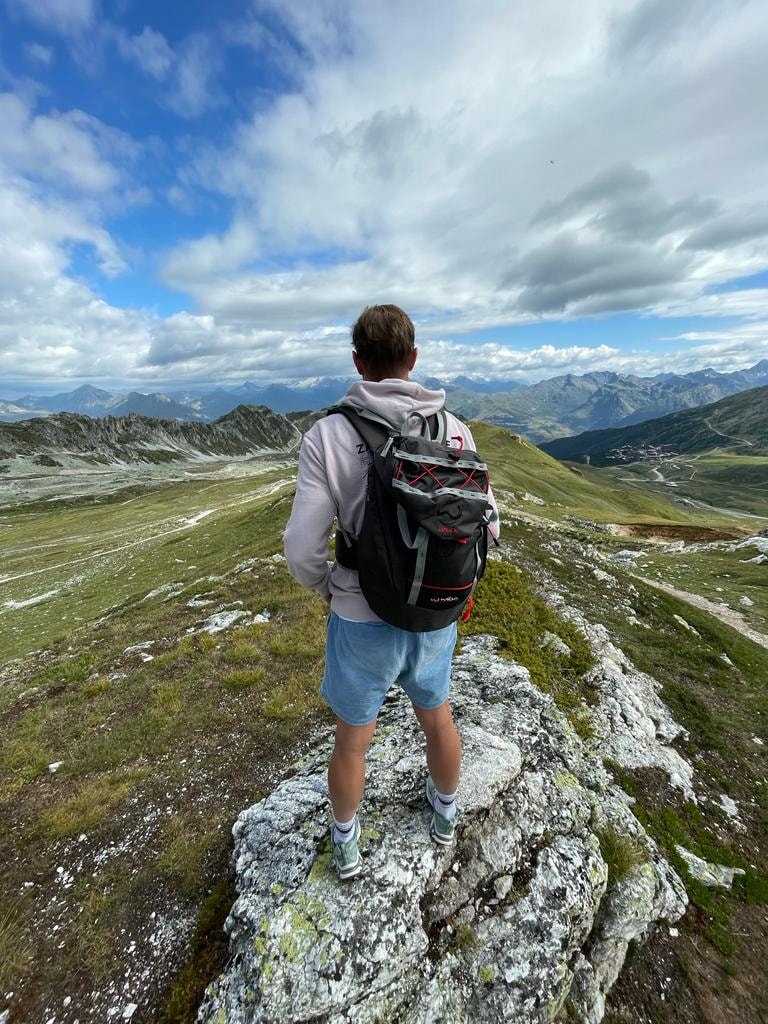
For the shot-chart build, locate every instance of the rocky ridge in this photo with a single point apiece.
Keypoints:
(247, 430)
(524, 914)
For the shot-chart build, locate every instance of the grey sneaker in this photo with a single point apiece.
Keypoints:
(346, 856)
(441, 829)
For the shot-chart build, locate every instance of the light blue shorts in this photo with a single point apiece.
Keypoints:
(363, 659)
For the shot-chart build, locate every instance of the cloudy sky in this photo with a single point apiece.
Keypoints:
(195, 192)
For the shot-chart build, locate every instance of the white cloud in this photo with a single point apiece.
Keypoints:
(66, 149)
(417, 162)
(192, 90)
(188, 72)
(750, 303)
(51, 324)
(64, 16)
(39, 53)
(211, 255)
(149, 50)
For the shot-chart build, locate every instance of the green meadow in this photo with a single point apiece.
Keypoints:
(66, 564)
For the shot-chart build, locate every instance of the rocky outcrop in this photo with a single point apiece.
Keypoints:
(523, 914)
(632, 725)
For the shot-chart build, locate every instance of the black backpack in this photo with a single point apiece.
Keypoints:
(424, 539)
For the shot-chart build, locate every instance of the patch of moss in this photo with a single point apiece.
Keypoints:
(320, 867)
(67, 670)
(464, 937)
(241, 651)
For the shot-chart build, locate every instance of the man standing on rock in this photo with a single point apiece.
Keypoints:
(365, 655)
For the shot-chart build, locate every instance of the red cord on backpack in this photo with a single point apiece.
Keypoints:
(468, 610)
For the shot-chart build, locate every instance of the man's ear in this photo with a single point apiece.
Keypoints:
(412, 359)
(358, 363)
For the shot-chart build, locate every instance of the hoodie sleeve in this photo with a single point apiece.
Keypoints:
(309, 527)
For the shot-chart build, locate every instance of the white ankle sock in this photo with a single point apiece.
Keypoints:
(445, 804)
(343, 830)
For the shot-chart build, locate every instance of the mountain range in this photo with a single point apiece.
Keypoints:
(738, 423)
(246, 430)
(557, 407)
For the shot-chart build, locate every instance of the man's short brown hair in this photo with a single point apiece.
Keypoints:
(383, 337)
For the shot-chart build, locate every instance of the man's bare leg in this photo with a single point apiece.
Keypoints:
(443, 746)
(346, 770)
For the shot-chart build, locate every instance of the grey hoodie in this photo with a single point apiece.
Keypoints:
(333, 466)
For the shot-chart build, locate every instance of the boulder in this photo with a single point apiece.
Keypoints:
(515, 919)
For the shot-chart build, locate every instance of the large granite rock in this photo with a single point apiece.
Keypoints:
(514, 920)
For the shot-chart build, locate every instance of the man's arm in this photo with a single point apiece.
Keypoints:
(306, 535)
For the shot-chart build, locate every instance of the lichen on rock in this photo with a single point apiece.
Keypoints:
(518, 917)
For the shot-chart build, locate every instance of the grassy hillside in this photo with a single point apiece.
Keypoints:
(65, 565)
(739, 422)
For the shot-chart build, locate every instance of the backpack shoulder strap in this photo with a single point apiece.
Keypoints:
(373, 430)
(441, 432)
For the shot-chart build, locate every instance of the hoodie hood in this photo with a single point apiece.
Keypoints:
(393, 399)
